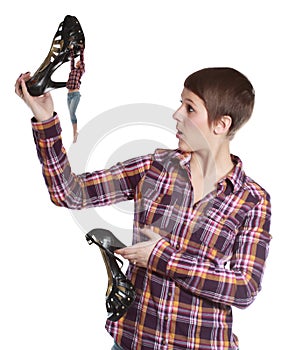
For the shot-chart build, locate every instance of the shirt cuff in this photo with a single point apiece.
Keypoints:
(47, 129)
(160, 257)
(171, 262)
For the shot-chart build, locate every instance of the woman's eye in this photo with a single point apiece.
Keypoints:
(190, 108)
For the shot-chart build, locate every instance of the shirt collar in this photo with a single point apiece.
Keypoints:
(183, 157)
(235, 178)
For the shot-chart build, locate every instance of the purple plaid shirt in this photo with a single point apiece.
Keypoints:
(75, 73)
(211, 255)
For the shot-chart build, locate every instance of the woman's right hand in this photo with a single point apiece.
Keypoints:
(42, 106)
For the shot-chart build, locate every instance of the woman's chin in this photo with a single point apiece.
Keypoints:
(184, 147)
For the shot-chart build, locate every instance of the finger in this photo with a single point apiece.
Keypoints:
(18, 89)
(119, 251)
(18, 86)
(23, 76)
(128, 255)
(25, 93)
(127, 250)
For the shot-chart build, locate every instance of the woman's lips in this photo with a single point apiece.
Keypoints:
(178, 133)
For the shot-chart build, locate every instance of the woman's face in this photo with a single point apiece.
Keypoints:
(193, 130)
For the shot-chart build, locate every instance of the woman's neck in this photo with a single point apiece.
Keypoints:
(207, 169)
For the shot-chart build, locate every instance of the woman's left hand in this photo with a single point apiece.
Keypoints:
(139, 253)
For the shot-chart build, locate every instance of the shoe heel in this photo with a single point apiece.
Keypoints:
(120, 291)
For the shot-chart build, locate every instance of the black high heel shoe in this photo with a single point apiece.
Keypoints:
(120, 292)
(69, 33)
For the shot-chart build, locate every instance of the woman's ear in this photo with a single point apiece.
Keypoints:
(222, 125)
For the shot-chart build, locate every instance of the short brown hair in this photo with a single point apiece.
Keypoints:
(225, 91)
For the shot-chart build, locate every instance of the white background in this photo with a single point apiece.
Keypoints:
(52, 283)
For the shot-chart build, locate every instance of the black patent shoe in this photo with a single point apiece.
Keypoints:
(69, 33)
(120, 293)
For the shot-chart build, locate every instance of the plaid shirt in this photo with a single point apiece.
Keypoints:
(210, 257)
(76, 73)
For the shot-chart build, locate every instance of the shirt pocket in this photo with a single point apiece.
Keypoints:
(155, 184)
(157, 211)
(216, 230)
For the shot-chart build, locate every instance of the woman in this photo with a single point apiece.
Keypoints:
(207, 223)
(73, 86)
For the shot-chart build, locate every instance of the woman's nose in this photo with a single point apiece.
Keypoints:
(177, 115)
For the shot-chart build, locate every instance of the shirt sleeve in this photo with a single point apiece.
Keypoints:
(89, 189)
(82, 65)
(235, 285)
(72, 58)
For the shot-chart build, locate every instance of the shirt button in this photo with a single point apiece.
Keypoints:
(177, 246)
(166, 318)
(163, 341)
